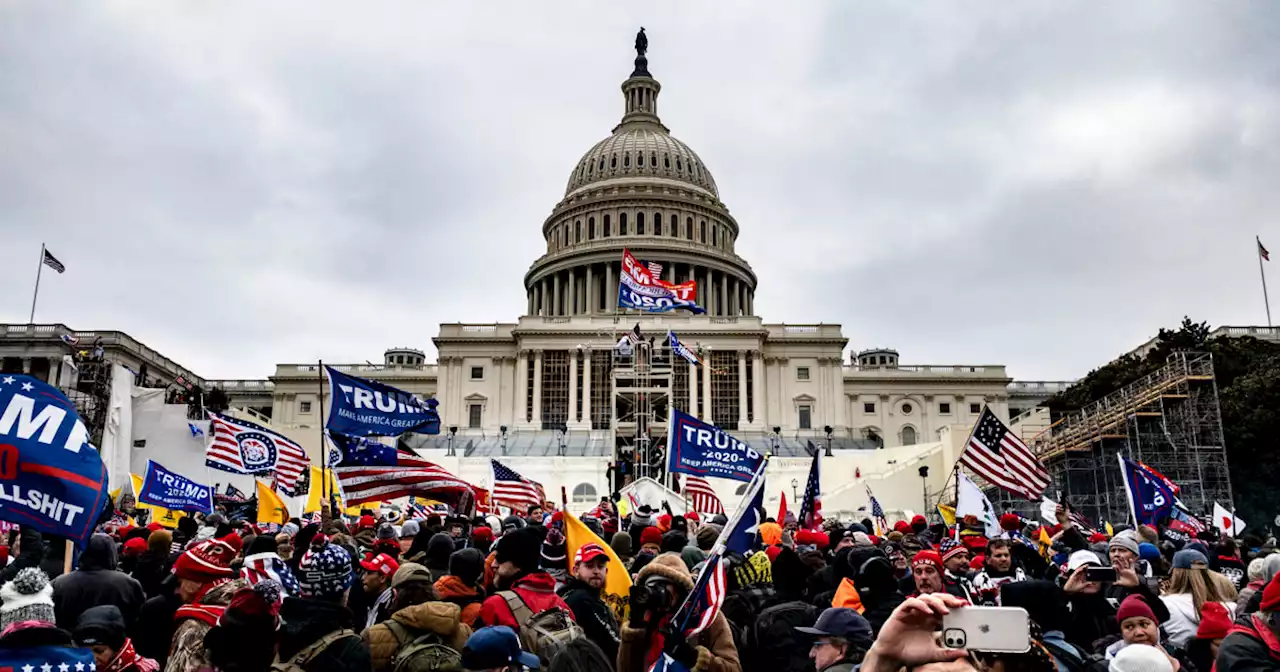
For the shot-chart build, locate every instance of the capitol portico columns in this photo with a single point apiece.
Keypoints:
(537, 389)
(705, 416)
(586, 385)
(693, 389)
(591, 300)
(521, 394)
(572, 420)
(757, 394)
(742, 389)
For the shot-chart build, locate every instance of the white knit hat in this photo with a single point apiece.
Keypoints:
(28, 597)
(1140, 658)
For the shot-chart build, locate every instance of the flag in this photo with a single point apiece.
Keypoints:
(1048, 511)
(235, 493)
(159, 514)
(617, 583)
(241, 447)
(782, 508)
(741, 531)
(1181, 521)
(271, 508)
(810, 517)
(971, 502)
(1045, 543)
(1226, 521)
(70, 339)
(1262, 251)
(655, 268)
(162, 487)
(362, 407)
(52, 261)
(1149, 498)
(702, 496)
(948, 514)
(666, 663)
(322, 481)
(1110, 530)
(700, 608)
(1173, 487)
(877, 514)
(47, 658)
(1000, 457)
(634, 335)
(370, 471)
(681, 349)
(195, 431)
(513, 490)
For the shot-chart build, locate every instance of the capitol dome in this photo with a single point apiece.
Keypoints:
(641, 190)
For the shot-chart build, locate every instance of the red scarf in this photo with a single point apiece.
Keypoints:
(128, 660)
(1259, 630)
(207, 613)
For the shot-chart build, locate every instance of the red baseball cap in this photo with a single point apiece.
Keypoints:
(381, 563)
(588, 552)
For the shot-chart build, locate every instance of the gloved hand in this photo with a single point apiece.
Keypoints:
(704, 660)
(685, 654)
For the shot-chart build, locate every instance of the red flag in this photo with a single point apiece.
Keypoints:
(782, 509)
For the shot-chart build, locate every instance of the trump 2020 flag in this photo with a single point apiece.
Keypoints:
(361, 407)
(51, 477)
(164, 488)
(1149, 497)
(702, 449)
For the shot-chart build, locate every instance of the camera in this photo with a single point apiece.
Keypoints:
(652, 597)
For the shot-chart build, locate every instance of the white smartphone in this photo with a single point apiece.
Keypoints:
(994, 629)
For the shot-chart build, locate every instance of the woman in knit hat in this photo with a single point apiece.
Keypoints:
(324, 575)
(26, 621)
(206, 583)
(651, 540)
(102, 630)
(1215, 624)
(244, 638)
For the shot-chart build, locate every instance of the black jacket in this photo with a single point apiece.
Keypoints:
(595, 617)
(96, 582)
(302, 622)
(30, 554)
(1093, 617)
(151, 571)
(152, 633)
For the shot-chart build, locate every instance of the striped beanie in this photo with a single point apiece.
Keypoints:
(324, 571)
(268, 566)
(950, 547)
(209, 560)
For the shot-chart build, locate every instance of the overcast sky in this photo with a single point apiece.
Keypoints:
(240, 184)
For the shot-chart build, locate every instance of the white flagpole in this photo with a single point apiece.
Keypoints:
(1263, 274)
(40, 267)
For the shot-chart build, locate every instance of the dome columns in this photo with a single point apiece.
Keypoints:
(591, 288)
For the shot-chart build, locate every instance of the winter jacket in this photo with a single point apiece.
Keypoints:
(439, 617)
(31, 554)
(639, 648)
(302, 622)
(194, 621)
(152, 633)
(1232, 568)
(1250, 646)
(151, 571)
(538, 590)
(1246, 594)
(986, 583)
(1093, 617)
(1184, 619)
(595, 617)
(94, 583)
(451, 589)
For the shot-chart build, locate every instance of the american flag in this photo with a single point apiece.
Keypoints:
(52, 261)
(513, 490)
(241, 447)
(655, 268)
(811, 506)
(375, 472)
(877, 513)
(1000, 457)
(634, 335)
(700, 494)
(705, 600)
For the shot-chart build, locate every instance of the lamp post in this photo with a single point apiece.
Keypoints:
(503, 429)
(794, 492)
(829, 432)
(924, 484)
(453, 431)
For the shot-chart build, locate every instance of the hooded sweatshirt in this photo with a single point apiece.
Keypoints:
(439, 548)
(96, 582)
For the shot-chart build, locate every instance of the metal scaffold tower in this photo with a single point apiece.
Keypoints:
(1169, 420)
(641, 398)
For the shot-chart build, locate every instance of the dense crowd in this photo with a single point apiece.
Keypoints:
(396, 594)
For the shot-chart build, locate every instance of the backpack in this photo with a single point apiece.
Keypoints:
(299, 661)
(418, 651)
(545, 633)
(771, 642)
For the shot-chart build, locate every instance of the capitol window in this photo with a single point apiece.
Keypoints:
(579, 238)
(584, 493)
(702, 231)
(657, 223)
(869, 407)
(714, 232)
(304, 407)
(944, 408)
(688, 228)
(626, 160)
(666, 162)
(474, 413)
(678, 166)
(908, 436)
(975, 408)
(607, 227)
(906, 409)
(806, 421)
(622, 224)
(477, 373)
(640, 160)
(675, 226)
(802, 373)
(613, 161)
(639, 223)
(591, 228)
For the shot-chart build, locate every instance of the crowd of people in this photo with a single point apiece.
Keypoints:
(435, 592)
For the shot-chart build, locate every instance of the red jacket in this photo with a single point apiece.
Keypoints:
(538, 590)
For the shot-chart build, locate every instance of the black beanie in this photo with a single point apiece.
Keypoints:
(103, 624)
(790, 574)
(467, 564)
(262, 543)
(521, 547)
(673, 542)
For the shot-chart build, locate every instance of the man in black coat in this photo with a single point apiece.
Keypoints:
(96, 582)
(582, 594)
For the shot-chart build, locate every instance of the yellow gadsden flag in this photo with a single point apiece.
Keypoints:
(948, 514)
(315, 496)
(271, 508)
(159, 514)
(617, 585)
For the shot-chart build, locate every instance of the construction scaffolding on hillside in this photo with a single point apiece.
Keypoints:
(1169, 420)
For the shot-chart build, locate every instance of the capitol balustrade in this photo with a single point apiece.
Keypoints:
(107, 339)
(367, 370)
(908, 371)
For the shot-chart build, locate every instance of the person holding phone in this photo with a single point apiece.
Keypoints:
(1094, 602)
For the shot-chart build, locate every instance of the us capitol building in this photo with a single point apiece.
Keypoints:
(551, 396)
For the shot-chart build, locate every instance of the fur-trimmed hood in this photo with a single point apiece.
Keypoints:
(670, 566)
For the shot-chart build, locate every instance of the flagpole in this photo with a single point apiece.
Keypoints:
(40, 267)
(1261, 273)
(324, 446)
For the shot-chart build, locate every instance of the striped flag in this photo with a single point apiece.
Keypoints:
(1262, 251)
(705, 600)
(513, 490)
(374, 472)
(241, 447)
(52, 261)
(810, 517)
(634, 335)
(702, 496)
(877, 514)
(999, 456)
(655, 268)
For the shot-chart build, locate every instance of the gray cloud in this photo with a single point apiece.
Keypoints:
(239, 185)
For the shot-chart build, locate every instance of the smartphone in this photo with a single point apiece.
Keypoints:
(1100, 574)
(995, 629)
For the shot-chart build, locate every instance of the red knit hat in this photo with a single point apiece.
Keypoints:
(664, 523)
(366, 521)
(651, 535)
(208, 560)
(928, 558)
(903, 527)
(482, 533)
(692, 515)
(973, 542)
(773, 552)
(1134, 606)
(919, 520)
(155, 527)
(875, 541)
(977, 562)
(1010, 522)
(135, 546)
(1271, 595)
(1214, 621)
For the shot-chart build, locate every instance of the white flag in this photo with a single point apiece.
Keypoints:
(971, 501)
(1226, 521)
(1049, 509)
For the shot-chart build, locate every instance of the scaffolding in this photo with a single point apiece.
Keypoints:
(724, 389)
(641, 386)
(1169, 420)
(91, 395)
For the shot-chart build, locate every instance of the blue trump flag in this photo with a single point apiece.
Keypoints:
(164, 488)
(1150, 498)
(702, 449)
(32, 658)
(363, 407)
(51, 477)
